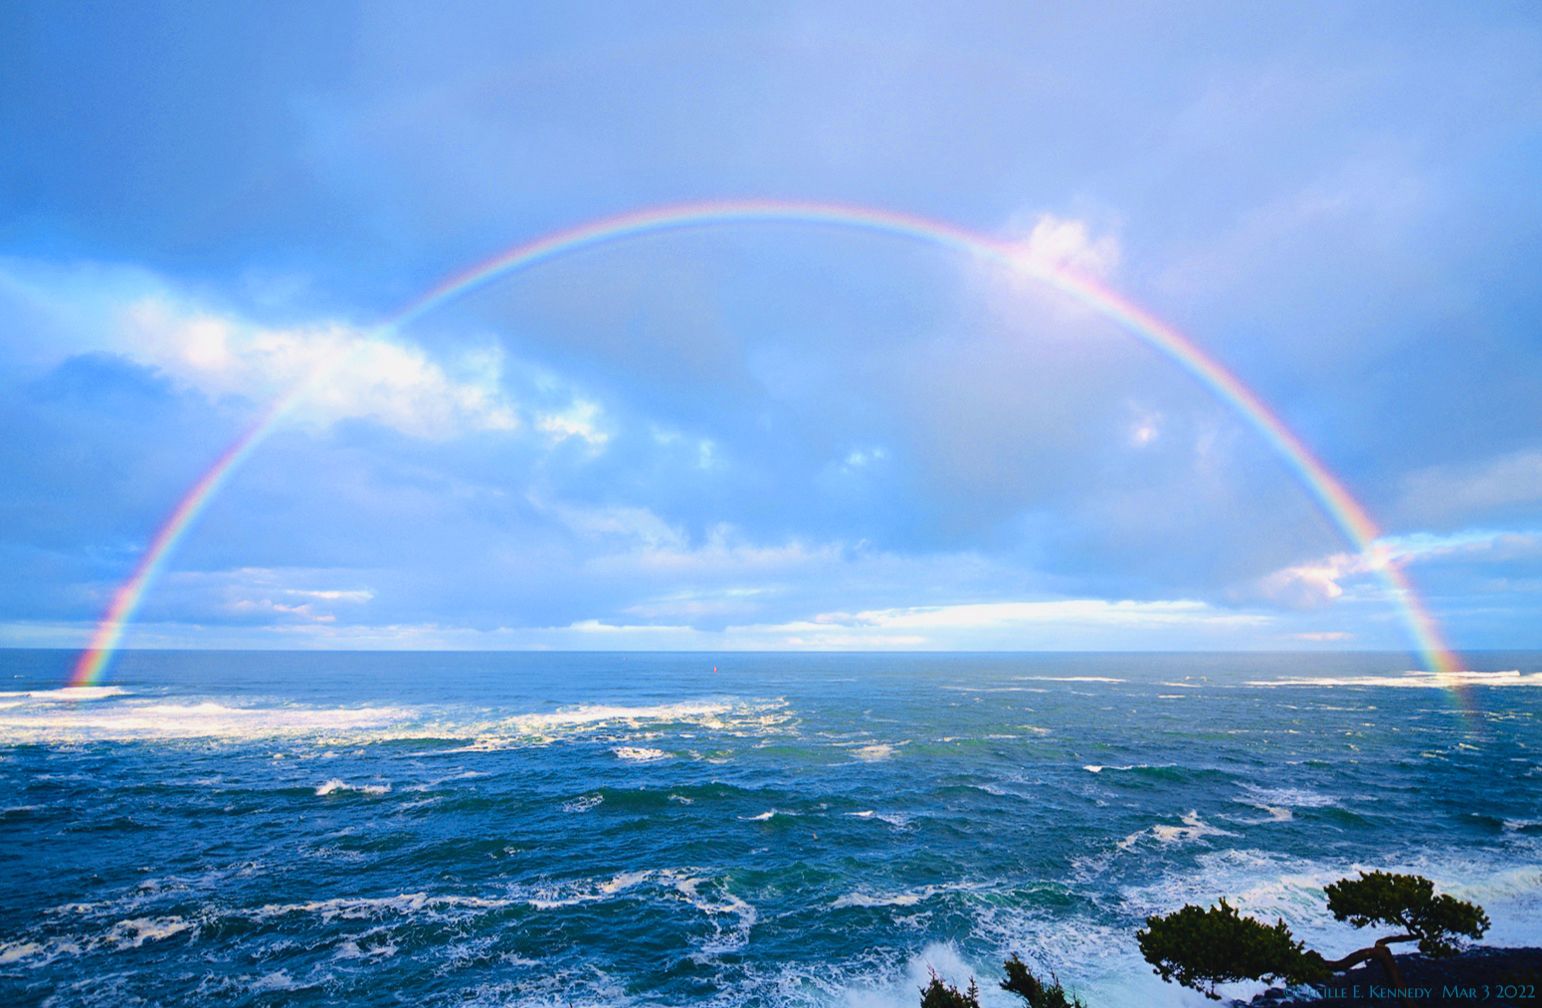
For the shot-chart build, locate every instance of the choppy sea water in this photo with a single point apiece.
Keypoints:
(735, 830)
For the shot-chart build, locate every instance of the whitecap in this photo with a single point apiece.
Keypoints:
(583, 803)
(11, 952)
(1073, 678)
(370, 907)
(1193, 828)
(767, 815)
(1414, 679)
(1261, 797)
(334, 785)
(64, 694)
(161, 720)
(907, 898)
(640, 754)
(134, 933)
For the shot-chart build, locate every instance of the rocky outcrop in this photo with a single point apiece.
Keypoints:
(1478, 978)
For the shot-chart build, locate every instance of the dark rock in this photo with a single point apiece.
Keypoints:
(1478, 978)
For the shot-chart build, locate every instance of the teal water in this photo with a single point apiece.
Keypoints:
(758, 830)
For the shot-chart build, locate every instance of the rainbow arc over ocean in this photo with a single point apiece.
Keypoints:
(1328, 490)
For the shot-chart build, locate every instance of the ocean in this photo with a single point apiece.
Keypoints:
(281, 828)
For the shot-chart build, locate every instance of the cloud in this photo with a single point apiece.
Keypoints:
(1046, 623)
(1316, 582)
(1049, 623)
(1053, 242)
(1060, 612)
(580, 420)
(352, 373)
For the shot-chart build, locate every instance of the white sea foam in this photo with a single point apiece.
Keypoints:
(900, 899)
(335, 785)
(11, 952)
(125, 934)
(51, 722)
(583, 803)
(1193, 828)
(553, 897)
(756, 718)
(134, 933)
(450, 778)
(896, 819)
(995, 689)
(64, 694)
(414, 905)
(1072, 678)
(864, 900)
(278, 980)
(874, 753)
(625, 880)
(639, 754)
(1414, 680)
(115, 715)
(36, 955)
(767, 815)
(689, 885)
(708, 895)
(1279, 801)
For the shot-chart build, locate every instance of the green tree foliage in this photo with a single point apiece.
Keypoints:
(1201, 948)
(1408, 902)
(941, 994)
(1022, 982)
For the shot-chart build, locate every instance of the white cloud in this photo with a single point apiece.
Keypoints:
(859, 458)
(626, 524)
(351, 373)
(1323, 580)
(356, 595)
(270, 607)
(723, 553)
(1053, 623)
(1058, 612)
(1146, 427)
(1052, 242)
(580, 420)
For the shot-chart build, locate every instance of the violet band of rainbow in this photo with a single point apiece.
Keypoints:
(1341, 507)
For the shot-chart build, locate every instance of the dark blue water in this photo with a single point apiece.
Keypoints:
(606, 830)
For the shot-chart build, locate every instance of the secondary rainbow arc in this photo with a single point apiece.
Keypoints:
(1328, 490)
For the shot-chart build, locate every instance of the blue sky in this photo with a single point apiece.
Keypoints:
(769, 436)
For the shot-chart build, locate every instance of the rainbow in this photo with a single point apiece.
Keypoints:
(92, 663)
(1336, 501)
